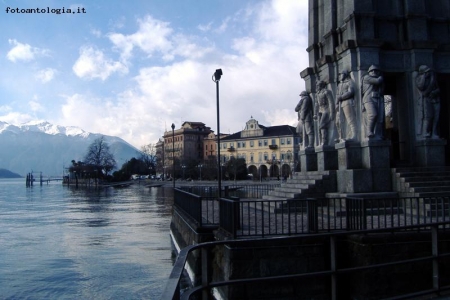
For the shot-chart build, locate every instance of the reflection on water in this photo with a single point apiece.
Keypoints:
(62, 242)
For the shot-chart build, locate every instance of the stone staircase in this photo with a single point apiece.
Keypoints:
(422, 182)
(305, 184)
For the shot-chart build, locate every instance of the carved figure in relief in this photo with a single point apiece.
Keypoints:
(324, 111)
(429, 102)
(345, 107)
(305, 127)
(372, 91)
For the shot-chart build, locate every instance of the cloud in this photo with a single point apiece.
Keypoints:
(155, 37)
(92, 64)
(261, 76)
(24, 52)
(16, 118)
(152, 36)
(34, 104)
(45, 75)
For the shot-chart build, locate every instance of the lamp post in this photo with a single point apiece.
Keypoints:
(183, 167)
(216, 78)
(173, 154)
(200, 167)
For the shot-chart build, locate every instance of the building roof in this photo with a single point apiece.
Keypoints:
(280, 130)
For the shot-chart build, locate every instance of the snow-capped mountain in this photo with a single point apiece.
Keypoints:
(48, 148)
(43, 127)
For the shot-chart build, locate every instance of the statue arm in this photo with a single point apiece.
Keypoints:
(374, 80)
(350, 92)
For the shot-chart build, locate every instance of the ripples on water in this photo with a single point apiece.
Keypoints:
(61, 242)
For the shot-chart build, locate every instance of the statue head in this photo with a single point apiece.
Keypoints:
(424, 69)
(304, 94)
(320, 85)
(374, 69)
(344, 74)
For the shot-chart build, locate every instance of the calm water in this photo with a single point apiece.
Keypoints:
(67, 243)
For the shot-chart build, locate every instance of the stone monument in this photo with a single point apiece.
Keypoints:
(409, 42)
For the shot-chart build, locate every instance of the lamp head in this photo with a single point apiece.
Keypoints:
(173, 126)
(218, 74)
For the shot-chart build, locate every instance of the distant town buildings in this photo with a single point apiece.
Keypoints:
(267, 151)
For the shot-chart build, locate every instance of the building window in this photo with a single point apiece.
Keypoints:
(288, 141)
(252, 143)
(265, 142)
(282, 141)
(260, 143)
(243, 144)
(251, 157)
(274, 142)
(239, 144)
(260, 156)
(206, 147)
(266, 156)
(282, 156)
(224, 145)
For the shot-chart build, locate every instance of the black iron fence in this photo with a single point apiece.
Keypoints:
(249, 191)
(260, 218)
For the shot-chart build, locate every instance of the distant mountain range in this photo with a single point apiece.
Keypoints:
(8, 174)
(47, 148)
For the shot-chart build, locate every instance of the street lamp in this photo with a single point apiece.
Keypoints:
(216, 78)
(200, 167)
(183, 167)
(173, 154)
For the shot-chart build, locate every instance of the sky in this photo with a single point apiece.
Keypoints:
(132, 68)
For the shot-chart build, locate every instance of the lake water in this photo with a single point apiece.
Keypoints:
(58, 242)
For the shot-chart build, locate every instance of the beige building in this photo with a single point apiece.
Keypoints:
(268, 151)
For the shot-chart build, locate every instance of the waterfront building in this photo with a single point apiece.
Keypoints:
(184, 144)
(268, 151)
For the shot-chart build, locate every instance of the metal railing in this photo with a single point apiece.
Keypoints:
(261, 218)
(251, 191)
(333, 272)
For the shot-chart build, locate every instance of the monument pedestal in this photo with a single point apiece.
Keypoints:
(327, 158)
(364, 167)
(349, 155)
(375, 154)
(430, 152)
(308, 160)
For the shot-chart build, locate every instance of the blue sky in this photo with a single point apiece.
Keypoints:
(132, 68)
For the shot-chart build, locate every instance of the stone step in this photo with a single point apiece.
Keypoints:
(425, 178)
(434, 189)
(415, 184)
(421, 169)
(296, 185)
(423, 174)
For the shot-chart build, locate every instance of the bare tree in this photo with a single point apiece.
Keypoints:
(99, 154)
(148, 156)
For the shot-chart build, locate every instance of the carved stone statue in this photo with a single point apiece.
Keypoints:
(324, 111)
(429, 102)
(305, 125)
(372, 91)
(345, 107)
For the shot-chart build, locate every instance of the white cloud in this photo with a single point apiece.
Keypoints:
(206, 27)
(34, 104)
(24, 52)
(151, 36)
(16, 118)
(5, 108)
(261, 78)
(92, 63)
(46, 75)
